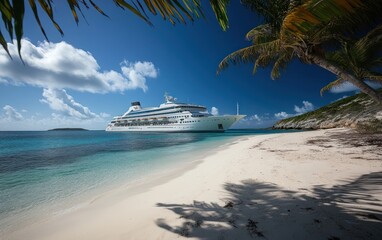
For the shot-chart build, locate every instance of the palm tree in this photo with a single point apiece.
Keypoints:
(294, 28)
(308, 31)
(361, 58)
(12, 13)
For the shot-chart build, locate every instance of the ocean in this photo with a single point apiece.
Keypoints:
(46, 173)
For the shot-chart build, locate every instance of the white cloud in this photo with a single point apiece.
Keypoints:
(255, 118)
(282, 115)
(12, 120)
(267, 120)
(62, 66)
(214, 111)
(104, 115)
(256, 121)
(137, 73)
(63, 103)
(307, 107)
(39, 122)
(348, 87)
(11, 114)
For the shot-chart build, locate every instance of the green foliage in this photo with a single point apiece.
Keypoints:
(351, 107)
(12, 13)
(220, 10)
(361, 57)
(321, 32)
(273, 12)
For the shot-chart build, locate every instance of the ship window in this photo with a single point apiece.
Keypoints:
(220, 126)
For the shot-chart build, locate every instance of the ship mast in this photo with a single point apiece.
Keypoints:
(237, 108)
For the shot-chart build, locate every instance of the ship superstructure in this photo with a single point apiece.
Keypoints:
(171, 116)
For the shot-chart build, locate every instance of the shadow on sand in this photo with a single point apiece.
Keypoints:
(352, 210)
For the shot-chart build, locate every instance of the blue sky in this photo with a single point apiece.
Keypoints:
(97, 68)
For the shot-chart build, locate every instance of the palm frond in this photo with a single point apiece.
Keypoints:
(369, 47)
(314, 14)
(260, 34)
(47, 8)
(273, 12)
(261, 61)
(359, 56)
(373, 76)
(281, 63)
(339, 58)
(251, 54)
(220, 9)
(6, 15)
(19, 10)
(244, 55)
(331, 85)
(172, 10)
(4, 44)
(98, 8)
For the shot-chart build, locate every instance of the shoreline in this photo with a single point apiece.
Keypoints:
(239, 191)
(123, 188)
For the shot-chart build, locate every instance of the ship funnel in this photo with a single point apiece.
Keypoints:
(134, 107)
(135, 104)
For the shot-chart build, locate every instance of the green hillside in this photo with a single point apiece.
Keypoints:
(357, 111)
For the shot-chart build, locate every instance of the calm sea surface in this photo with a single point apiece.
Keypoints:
(48, 172)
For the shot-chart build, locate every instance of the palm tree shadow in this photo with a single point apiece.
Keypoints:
(352, 210)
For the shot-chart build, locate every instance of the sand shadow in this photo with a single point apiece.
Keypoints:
(253, 210)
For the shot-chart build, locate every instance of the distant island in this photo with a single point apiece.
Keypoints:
(68, 129)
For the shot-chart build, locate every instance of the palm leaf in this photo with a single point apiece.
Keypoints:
(4, 44)
(46, 6)
(220, 9)
(368, 48)
(373, 76)
(273, 12)
(124, 4)
(171, 10)
(98, 8)
(183, 9)
(33, 6)
(6, 15)
(331, 85)
(262, 60)
(19, 10)
(359, 56)
(243, 55)
(316, 13)
(251, 54)
(260, 34)
(281, 63)
(73, 4)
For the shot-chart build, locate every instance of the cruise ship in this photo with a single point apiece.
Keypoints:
(171, 116)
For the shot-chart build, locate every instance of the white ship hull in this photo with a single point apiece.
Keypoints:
(205, 124)
(171, 117)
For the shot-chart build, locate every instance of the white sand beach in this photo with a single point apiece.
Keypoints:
(305, 185)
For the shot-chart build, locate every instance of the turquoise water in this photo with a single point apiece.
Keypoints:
(46, 173)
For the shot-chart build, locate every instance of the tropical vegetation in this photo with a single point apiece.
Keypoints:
(341, 36)
(357, 111)
(12, 13)
(327, 33)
